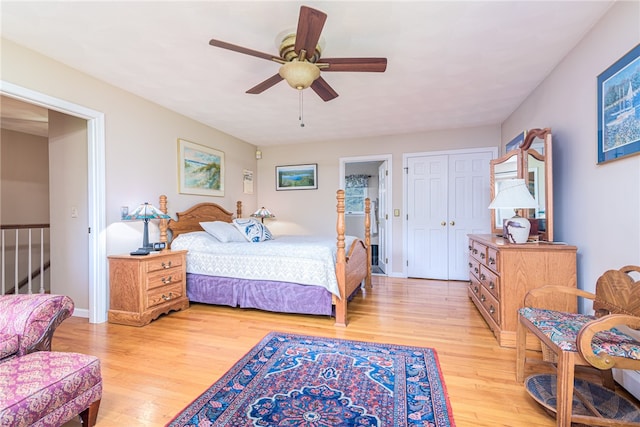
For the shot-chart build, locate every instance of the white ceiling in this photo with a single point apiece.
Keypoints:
(450, 63)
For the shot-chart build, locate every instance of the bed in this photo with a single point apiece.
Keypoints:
(319, 279)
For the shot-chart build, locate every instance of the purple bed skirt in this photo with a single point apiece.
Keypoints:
(281, 297)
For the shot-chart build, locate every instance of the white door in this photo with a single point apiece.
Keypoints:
(427, 217)
(447, 199)
(382, 216)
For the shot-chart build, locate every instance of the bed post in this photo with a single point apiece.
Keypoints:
(367, 239)
(163, 222)
(341, 271)
(239, 209)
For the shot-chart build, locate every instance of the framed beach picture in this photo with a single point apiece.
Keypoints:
(200, 169)
(297, 177)
(619, 108)
(515, 142)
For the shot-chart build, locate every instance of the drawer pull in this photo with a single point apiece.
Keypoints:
(470, 247)
(475, 289)
(166, 280)
(492, 310)
(492, 260)
(470, 265)
(475, 251)
(476, 270)
(482, 277)
(166, 264)
(483, 298)
(482, 255)
(167, 298)
(492, 285)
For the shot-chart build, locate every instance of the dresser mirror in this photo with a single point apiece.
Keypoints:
(532, 162)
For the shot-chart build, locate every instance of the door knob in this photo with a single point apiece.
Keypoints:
(443, 223)
(452, 223)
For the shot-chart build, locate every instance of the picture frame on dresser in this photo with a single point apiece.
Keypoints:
(619, 108)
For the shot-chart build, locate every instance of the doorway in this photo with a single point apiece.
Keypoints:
(369, 177)
(98, 295)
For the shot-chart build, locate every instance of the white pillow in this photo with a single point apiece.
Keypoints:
(253, 230)
(223, 231)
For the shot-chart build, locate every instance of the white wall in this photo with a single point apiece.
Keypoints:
(597, 207)
(314, 212)
(141, 143)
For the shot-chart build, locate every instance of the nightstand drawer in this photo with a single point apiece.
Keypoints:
(164, 294)
(164, 277)
(164, 263)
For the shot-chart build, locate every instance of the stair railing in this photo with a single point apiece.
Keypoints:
(18, 256)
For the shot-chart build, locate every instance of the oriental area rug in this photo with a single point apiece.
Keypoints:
(294, 380)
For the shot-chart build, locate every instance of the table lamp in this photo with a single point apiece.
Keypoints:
(263, 213)
(515, 195)
(146, 212)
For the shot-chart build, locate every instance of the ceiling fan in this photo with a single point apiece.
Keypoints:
(300, 58)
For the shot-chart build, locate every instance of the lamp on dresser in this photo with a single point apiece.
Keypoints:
(515, 195)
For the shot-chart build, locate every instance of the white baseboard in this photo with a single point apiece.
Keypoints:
(81, 312)
(629, 380)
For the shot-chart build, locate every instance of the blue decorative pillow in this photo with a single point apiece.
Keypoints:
(253, 230)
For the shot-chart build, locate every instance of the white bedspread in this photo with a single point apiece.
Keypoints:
(307, 260)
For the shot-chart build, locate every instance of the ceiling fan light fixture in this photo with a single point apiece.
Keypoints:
(299, 74)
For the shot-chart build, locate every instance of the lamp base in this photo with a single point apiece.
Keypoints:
(516, 229)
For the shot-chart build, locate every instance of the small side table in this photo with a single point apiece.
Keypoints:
(141, 288)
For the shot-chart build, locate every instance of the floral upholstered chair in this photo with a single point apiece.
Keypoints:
(27, 322)
(39, 387)
(604, 340)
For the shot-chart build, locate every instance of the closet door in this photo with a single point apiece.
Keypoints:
(448, 198)
(427, 217)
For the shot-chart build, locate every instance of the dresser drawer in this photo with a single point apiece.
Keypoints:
(164, 263)
(474, 286)
(474, 267)
(492, 259)
(164, 277)
(490, 305)
(490, 281)
(164, 294)
(478, 251)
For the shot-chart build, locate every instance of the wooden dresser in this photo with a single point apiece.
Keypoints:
(501, 273)
(141, 288)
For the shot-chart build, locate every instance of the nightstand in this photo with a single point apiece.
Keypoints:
(141, 288)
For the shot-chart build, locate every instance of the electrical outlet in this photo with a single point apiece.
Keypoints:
(74, 212)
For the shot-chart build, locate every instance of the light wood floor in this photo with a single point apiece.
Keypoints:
(151, 373)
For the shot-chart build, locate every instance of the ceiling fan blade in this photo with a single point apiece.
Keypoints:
(261, 87)
(246, 51)
(310, 23)
(372, 65)
(324, 91)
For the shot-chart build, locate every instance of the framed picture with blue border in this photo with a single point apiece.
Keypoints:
(515, 142)
(619, 108)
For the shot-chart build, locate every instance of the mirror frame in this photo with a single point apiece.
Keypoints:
(546, 156)
(522, 166)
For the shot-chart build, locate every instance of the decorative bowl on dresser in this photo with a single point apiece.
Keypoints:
(141, 288)
(501, 273)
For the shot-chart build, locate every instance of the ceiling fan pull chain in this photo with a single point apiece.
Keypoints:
(300, 106)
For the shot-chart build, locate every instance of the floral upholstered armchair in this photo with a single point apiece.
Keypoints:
(27, 322)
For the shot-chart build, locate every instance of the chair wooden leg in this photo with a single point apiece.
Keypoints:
(521, 350)
(564, 388)
(90, 415)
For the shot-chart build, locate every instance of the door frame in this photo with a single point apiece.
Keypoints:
(405, 189)
(98, 296)
(387, 209)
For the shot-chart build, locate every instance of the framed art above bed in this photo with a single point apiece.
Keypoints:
(297, 177)
(200, 169)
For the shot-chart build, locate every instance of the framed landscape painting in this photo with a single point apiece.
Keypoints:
(297, 177)
(200, 169)
(619, 108)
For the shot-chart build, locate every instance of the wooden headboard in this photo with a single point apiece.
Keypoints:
(189, 220)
